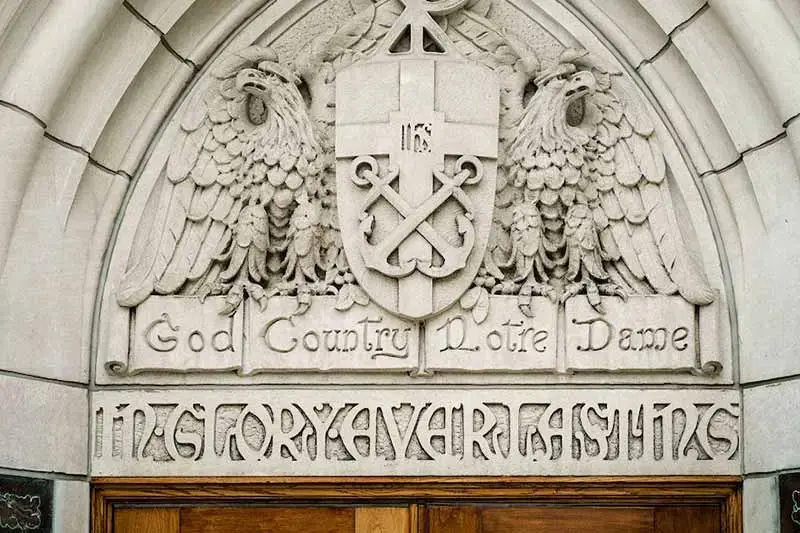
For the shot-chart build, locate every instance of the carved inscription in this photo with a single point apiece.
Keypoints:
(506, 340)
(644, 333)
(416, 137)
(415, 169)
(360, 338)
(182, 333)
(410, 432)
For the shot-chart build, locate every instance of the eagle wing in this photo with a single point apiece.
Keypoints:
(196, 208)
(639, 235)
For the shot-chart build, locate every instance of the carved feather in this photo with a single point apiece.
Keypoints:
(650, 259)
(177, 271)
(214, 241)
(619, 230)
(687, 275)
(168, 226)
(627, 171)
(635, 110)
(195, 113)
(182, 161)
(650, 231)
(660, 225)
(203, 201)
(209, 227)
(471, 31)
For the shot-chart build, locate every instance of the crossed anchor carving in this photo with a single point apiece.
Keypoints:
(365, 172)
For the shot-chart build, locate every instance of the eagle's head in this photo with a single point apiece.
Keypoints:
(554, 115)
(564, 90)
(275, 105)
(271, 86)
(577, 86)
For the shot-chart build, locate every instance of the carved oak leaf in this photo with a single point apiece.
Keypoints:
(476, 300)
(351, 32)
(359, 35)
(350, 295)
(360, 5)
(359, 296)
(345, 299)
(510, 57)
(479, 7)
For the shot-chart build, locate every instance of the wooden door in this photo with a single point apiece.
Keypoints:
(259, 519)
(573, 519)
(436, 519)
(418, 505)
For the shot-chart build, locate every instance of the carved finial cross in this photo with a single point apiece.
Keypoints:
(416, 19)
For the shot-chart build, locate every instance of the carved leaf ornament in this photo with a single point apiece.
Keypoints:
(252, 198)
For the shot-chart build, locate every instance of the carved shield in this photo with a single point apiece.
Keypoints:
(416, 149)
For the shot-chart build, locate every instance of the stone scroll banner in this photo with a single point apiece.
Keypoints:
(415, 432)
(643, 334)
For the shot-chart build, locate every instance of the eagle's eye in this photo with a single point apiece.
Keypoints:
(256, 110)
(575, 112)
(528, 92)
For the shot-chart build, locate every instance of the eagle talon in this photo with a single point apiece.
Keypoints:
(236, 295)
(594, 292)
(612, 289)
(571, 290)
(531, 289)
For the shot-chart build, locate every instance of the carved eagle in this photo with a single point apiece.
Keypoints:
(583, 204)
(246, 202)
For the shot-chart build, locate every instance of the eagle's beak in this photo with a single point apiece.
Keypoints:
(579, 85)
(253, 81)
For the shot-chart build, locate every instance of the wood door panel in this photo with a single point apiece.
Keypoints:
(267, 519)
(146, 519)
(383, 520)
(453, 520)
(687, 519)
(567, 520)
(511, 519)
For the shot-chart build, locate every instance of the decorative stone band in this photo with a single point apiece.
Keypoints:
(644, 334)
(415, 432)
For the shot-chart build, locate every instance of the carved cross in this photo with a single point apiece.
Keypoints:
(417, 138)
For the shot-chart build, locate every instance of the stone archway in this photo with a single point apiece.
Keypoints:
(80, 117)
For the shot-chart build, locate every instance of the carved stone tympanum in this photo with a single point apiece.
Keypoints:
(414, 191)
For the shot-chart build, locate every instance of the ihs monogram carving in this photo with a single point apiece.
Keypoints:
(416, 157)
